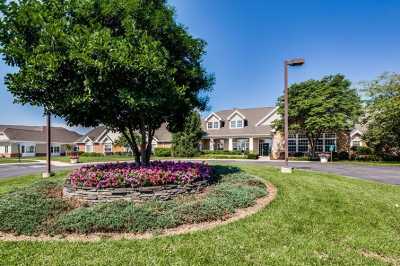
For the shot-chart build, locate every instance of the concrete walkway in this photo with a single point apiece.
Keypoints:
(384, 174)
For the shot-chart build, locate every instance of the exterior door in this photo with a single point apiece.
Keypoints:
(264, 149)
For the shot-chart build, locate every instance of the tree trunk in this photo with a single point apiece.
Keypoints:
(130, 137)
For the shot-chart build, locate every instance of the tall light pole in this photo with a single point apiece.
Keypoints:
(48, 172)
(287, 63)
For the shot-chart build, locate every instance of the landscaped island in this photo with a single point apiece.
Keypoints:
(161, 180)
(42, 208)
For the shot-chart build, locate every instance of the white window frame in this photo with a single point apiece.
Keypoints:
(55, 147)
(213, 125)
(88, 145)
(105, 149)
(234, 123)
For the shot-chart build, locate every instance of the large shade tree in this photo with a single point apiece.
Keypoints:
(126, 64)
(318, 106)
(186, 142)
(382, 118)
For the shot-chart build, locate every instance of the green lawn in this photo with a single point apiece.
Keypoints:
(13, 160)
(316, 219)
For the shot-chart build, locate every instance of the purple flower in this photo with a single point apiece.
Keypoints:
(129, 175)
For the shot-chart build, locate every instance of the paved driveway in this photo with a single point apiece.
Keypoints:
(385, 174)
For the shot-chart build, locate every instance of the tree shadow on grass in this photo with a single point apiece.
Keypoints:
(221, 170)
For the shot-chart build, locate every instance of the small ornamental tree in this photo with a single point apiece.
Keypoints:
(318, 106)
(126, 64)
(382, 119)
(186, 142)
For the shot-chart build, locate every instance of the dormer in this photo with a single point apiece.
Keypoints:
(213, 121)
(237, 120)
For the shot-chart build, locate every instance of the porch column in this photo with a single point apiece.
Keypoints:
(211, 144)
(251, 144)
(230, 144)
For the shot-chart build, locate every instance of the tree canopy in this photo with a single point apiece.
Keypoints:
(382, 118)
(126, 64)
(186, 142)
(318, 106)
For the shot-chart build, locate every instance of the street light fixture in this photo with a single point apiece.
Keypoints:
(287, 63)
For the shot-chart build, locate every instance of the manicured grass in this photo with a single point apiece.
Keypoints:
(39, 208)
(12, 160)
(316, 219)
(15, 183)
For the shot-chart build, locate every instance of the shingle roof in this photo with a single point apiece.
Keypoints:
(162, 134)
(253, 116)
(93, 134)
(38, 133)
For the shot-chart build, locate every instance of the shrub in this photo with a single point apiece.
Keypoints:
(363, 150)
(25, 211)
(342, 155)
(225, 152)
(252, 156)
(162, 152)
(131, 175)
(233, 191)
(91, 154)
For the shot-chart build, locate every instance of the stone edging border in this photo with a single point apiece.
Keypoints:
(182, 229)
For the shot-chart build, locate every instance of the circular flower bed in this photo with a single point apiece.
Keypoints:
(41, 210)
(117, 175)
(161, 180)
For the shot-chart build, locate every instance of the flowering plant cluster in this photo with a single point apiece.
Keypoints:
(114, 175)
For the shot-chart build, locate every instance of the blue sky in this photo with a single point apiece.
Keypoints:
(248, 41)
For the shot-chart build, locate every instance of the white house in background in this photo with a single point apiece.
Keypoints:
(31, 140)
(250, 130)
(103, 140)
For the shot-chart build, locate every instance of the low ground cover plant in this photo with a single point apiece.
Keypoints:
(40, 208)
(130, 175)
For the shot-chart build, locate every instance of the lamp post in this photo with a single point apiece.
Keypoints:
(287, 63)
(48, 172)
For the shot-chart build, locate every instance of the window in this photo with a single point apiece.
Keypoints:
(319, 145)
(55, 149)
(108, 148)
(27, 148)
(240, 144)
(88, 148)
(356, 143)
(302, 145)
(6, 149)
(292, 145)
(236, 123)
(213, 125)
(297, 143)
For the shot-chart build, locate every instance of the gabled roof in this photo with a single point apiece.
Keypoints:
(253, 116)
(211, 115)
(162, 134)
(97, 135)
(38, 133)
(236, 112)
(93, 134)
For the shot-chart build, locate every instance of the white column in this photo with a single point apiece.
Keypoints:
(230, 144)
(251, 144)
(211, 144)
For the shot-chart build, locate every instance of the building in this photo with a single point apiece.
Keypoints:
(250, 130)
(31, 140)
(102, 140)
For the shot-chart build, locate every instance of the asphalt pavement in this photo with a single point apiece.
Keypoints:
(384, 174)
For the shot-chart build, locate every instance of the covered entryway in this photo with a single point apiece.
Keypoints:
(264, 147)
